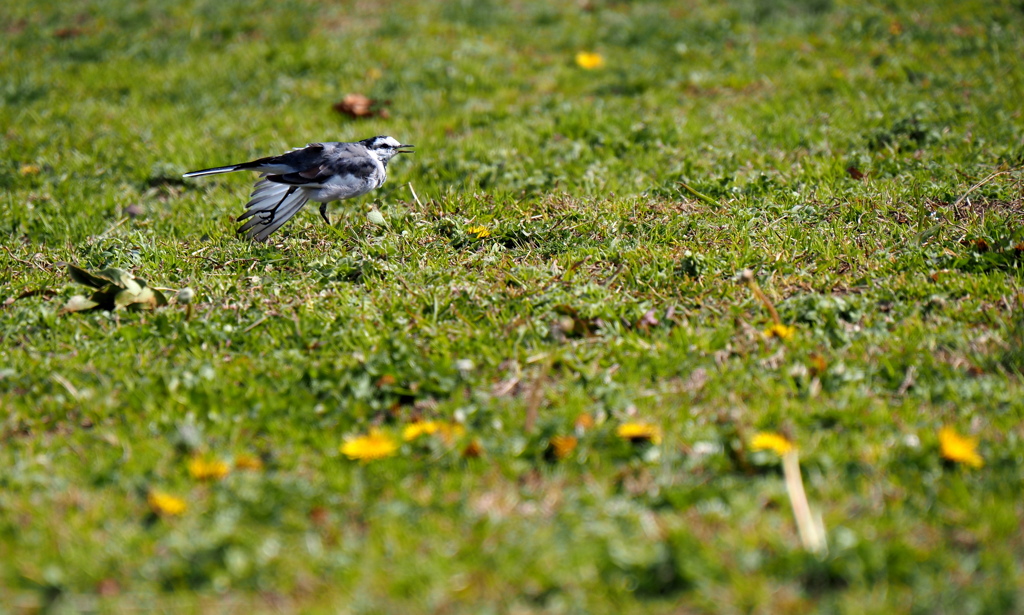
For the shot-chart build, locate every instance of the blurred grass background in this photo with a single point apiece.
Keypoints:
(835, 141)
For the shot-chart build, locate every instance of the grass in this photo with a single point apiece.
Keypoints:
(833, 142)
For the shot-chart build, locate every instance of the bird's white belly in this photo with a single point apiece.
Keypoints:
(344, 187)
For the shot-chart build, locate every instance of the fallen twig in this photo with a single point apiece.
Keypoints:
(415, 197)
(810, 528)
(958, 202)
(702, 197)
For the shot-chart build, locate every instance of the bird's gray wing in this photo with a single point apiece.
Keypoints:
(359, 168)
(295, 161)
(298, 160)
(271, 206)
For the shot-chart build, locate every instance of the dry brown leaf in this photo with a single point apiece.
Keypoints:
(358, 105)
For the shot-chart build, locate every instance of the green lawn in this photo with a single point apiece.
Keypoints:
(569, 265)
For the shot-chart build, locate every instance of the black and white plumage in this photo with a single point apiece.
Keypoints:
(321, 172)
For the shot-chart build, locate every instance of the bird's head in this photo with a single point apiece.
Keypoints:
(385, 147)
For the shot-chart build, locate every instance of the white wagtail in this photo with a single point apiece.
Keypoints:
(321, 172)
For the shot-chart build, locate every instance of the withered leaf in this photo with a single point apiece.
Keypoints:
(84, 277)
(115, 289)
(358, 105)
(79, 303)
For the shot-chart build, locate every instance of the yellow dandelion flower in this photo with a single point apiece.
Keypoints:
(770, 441)
(562, 446)
(207, 469)
(639, 432)
(248, 462)
(446, 431)
(423, 428)
(961, 449)
(374, 445)
(166, 504)
(589, 60)
(479, 231)
(781, 331)
(29, 169)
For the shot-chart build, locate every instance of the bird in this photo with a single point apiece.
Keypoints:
(321, 172)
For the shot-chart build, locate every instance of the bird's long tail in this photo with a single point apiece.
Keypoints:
(215, 170)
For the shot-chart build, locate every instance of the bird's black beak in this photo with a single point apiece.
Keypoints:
(405, 151)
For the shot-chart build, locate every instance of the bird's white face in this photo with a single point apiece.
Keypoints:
(385, 147)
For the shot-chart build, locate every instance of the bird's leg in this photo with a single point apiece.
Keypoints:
(323, 213)
(267, 216)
